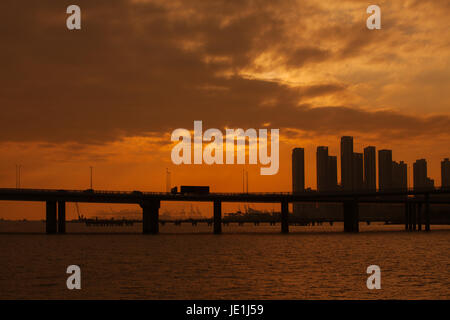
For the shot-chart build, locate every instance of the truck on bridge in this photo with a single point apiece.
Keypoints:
(191, 190)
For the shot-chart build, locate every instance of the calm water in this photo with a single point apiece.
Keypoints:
(245, 262)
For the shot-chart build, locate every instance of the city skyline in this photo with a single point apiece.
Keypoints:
(359, 170)
(309, 176)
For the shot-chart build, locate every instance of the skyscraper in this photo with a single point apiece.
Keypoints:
(322, 168)
(347, 163)
(370, 173)
(326, 167)
(420, 173)
(298, 176)
(399, 175)
(332, 172)
(384, 169)
(445, 173)
(358, 180)
(421, 180)
(298, 170)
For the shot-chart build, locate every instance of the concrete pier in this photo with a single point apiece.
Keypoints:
(217, 217)
(284, 217)
(61, 217)
(150, 216)
(419, 216)
(427, 212)
(410, 216)
(50, 225)
(407, 212)
(351, 216)
(412, 213)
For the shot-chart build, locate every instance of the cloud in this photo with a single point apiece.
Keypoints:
(140, 67)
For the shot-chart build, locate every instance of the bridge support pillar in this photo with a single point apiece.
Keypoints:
(419, 216)
(50, 219)
(150, 216)
(407, 213)
(284, 217)
(411, 213)
(427, 212)
(217, 217)
(351, 216)
(61, 217)
(414, 217)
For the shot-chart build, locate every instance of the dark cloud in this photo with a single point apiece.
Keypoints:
(301, 56)
(144, 68)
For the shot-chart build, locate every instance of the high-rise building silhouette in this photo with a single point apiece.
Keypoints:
(332, 172)
(326, 167)
(445, 173)
(298, 170)
(399, 175)
(347, 162)
(370, 173)
(322, 168)
(298, 175)
(421, 180)
(358, 176)
(420, 173)
(384, 169)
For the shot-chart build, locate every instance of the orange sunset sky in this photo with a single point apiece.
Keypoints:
(110, 94)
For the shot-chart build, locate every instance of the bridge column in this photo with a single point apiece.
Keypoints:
(50, 218)
(284, 217)
(150, 216)
(427, 212)
(414, 217)
(412, 213)
(217, 217)
(419, 216)
(351, 219)
(61, 217)
(407, 211)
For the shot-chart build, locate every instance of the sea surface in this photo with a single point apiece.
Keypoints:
(245, 262)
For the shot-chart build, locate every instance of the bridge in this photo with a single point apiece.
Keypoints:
(416, 203)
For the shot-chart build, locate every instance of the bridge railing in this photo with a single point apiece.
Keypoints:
(387, 192)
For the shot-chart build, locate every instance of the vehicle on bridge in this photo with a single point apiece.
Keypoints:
(191, 190)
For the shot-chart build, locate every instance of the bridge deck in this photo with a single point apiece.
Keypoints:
(150, 203)
(441, 195)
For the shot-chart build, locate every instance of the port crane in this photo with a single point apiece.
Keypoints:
(80, 217)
